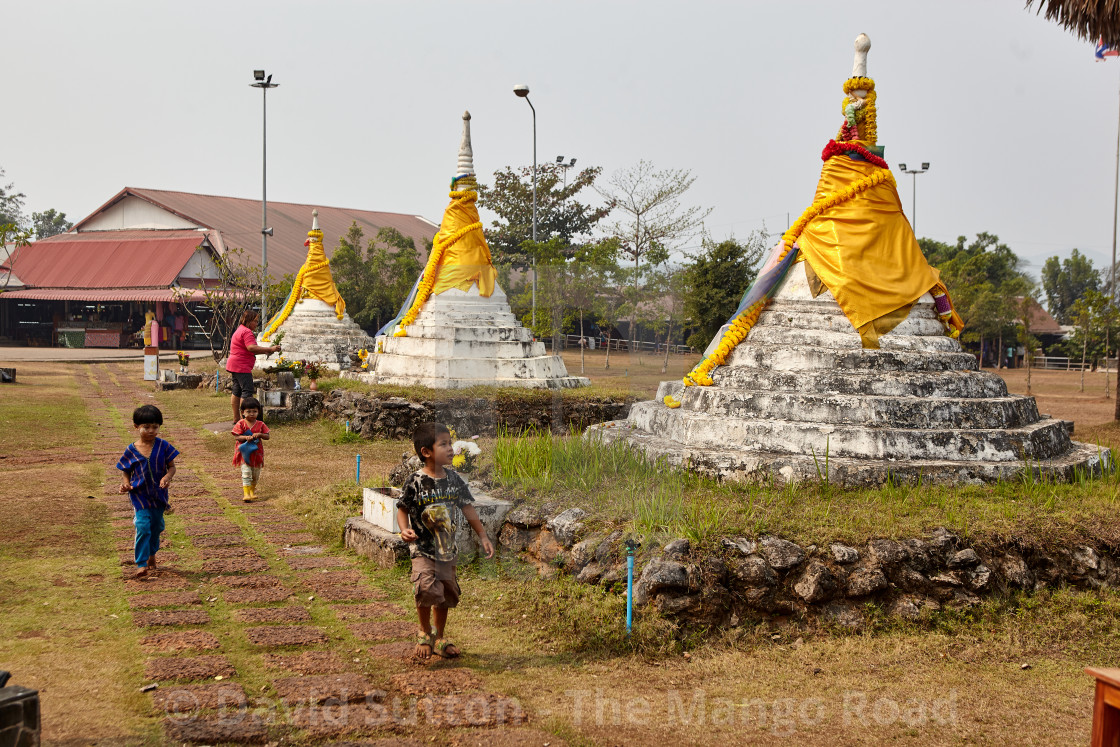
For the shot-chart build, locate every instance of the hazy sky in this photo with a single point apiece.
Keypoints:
(1016, 118)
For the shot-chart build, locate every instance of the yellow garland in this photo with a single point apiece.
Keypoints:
(439, 248)
(867, 113)
(742, 324)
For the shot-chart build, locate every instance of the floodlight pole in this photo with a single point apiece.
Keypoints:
(523, 92)
(914, 198)
(264, 84)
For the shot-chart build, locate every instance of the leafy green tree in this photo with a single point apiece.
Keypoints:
(716, 280)
(985, 278)
(374, 279)
(12, 240)
(1066, 281)
(11, 205)
(560, 213)
(50, 223)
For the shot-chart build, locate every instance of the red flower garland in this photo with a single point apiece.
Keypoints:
(835, 149)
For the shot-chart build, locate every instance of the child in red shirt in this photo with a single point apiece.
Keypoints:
(250, 432)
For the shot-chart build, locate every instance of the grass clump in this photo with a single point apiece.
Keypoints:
(618, 484)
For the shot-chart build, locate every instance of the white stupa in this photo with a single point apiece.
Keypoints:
(456, 329)
(811, 381)
(313, 319)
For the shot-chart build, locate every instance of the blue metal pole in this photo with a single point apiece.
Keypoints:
(359, 469)
(629, 588)
(217, 380)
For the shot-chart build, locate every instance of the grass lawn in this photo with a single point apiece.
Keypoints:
(559, 647)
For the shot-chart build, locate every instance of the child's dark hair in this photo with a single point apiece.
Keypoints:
(425, 435)
(147, 414)
(250, 403)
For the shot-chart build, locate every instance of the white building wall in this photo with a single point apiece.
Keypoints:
(200, 265)
(132, 212)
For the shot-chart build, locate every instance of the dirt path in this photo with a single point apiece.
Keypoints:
(254, 632)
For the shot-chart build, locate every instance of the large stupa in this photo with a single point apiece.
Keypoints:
(456, 329)
(843, 363)
(313, 319)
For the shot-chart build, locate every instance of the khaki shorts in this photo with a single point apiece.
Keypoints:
(434, 583)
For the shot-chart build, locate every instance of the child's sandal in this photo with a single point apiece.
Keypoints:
(424, 640)
(441, 649)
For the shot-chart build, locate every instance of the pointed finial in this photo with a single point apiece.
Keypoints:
(466, 155)
(314, 220)
(859, 65)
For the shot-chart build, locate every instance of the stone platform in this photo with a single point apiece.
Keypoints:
(461, 339)
(800, 399)
(314, 333)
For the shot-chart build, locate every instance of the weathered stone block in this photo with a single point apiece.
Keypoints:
(781, 554)
(817, 583)
(384, 548)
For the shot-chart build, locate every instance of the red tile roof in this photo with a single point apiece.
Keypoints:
(239, 222)
(110, 259)
(106, 294)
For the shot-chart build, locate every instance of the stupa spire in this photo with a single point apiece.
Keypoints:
(859, 64)
(465, 166)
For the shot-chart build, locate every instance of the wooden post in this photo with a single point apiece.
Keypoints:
(1106, 708)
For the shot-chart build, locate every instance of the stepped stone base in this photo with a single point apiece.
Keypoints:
(313, 332)
(801, 400)
(461, 339)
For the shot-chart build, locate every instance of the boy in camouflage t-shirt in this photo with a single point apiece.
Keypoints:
(433, 505)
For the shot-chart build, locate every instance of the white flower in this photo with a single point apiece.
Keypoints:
(468, 446)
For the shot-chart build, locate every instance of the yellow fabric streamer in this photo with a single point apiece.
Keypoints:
(313, 280)
(863, 248)
(460, 257)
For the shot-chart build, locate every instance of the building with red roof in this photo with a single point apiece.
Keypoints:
(145, 250)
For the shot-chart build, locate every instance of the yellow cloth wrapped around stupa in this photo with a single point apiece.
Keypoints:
(465, 259)
(314, 280)
(864, 251)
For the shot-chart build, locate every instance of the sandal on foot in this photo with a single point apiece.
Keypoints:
(423, 641)
(443, 645)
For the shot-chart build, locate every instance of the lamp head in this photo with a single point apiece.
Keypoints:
(521, 90)
(572, 162)
(902, 167)
(258, 75)
(559, 159)
(925, 166)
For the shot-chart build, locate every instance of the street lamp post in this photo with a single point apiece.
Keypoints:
(565, 166)
(264, 84)
(523, 91)
(914, 204)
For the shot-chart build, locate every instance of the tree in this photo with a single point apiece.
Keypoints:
(374, 280)
(717, 278)
(237, 289)
(11, 204)
(1023, 308)
(588, 265)
(1065, 281)
(984, 278)
(50, 223)
(560, 215)
(654, 220)
(12, 240)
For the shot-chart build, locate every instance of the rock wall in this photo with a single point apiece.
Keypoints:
(379, 416)
(754, 578)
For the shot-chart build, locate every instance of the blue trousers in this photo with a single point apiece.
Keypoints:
(149, 525)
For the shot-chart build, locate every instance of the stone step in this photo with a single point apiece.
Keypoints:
(802, 315)
(781, 467)
(1043, 439)
(467, 332)
(899, 384)
(477, 369)
(437, 347)
(869, 410)
(792, 337)
(777, 356)
(555, 382)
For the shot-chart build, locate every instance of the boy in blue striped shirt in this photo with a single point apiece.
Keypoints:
(147, 467)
